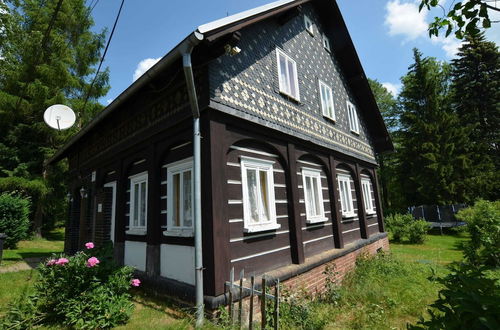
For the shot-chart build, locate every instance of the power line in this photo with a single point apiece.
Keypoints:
(103, 55)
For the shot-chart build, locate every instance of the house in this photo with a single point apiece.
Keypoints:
(289, 128)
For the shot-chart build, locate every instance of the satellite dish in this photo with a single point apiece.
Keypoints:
(59, 116)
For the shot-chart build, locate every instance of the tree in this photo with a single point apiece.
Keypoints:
(465, 17)
(391, 189)
(434, 151)
(475, 77)
(49, 55)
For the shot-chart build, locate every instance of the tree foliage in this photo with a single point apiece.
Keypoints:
(464, 17)
(48, 56)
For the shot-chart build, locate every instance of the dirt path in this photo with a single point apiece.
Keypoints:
(26, 264)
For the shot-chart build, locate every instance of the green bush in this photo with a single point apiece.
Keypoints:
(86, 291)
(14, 218)
(405, 228)
(469, 300)
(483, 225)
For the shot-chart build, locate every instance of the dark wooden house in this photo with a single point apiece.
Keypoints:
(290, 130)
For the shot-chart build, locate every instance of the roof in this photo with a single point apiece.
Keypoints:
(214, 30)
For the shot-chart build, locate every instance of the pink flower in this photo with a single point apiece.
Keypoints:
(135, 282)
(51, 262)
(93, 261)
(89, 245)
(61, 261)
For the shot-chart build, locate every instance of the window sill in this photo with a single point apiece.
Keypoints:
(348, 216)
(316, 220)
(290, 97)
(266, 227)
(179, 233)
(371, 214)
(354, 132)
(329, 118)
(137, 232)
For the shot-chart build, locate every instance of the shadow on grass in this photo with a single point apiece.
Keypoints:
(54, 235)
(165, 304)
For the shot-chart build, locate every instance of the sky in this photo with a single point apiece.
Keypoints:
(384, 33)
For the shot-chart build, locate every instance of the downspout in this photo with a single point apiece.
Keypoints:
(186, 50)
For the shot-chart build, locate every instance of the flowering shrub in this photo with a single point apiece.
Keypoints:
(84, 291)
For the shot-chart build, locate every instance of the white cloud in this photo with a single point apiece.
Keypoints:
(108, 101)
(449, 44)
(392, 88)
(144, 66)
(493, 33)
(405, 19)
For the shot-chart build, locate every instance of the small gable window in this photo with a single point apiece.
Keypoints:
(309, 25)
(180, 198)
(259, 210)
(313, 195)
(326, 96)
(353, 118)
(326, 42)
(344, 182)
(138, 202)
(287, 74)
(367, 195)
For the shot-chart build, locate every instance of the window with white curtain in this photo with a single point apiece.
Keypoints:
(287, 75)
(313, 195)
(138, 201)
(180, 198)
(344, 182)
(326, 96)
(353, 118)
(259, 210)
(367, 195)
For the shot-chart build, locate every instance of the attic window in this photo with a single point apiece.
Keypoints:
(309, 25)
(353, 118)
(326, 42)
(287, 75)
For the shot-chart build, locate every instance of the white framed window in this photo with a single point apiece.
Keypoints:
(309, 25)
(326, 43)
(326, 97)
(180, 196)
(353, 118)
(313, 195)
(287, 75)
(366, 188)
(259, 210)
(344, 182)
(138, 214)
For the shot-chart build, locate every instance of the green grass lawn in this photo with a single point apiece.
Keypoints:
(53, 242)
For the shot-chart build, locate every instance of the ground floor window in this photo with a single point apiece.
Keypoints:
(258, 194)
(367, 195)
(138, 201)
(344, 182)
(180, 197)
(313, 195)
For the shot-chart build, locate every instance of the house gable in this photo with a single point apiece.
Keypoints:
(247, 84)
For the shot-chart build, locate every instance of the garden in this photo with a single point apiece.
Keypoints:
(428, 281)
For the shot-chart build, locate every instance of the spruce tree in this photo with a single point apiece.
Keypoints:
(434, 151)
(48, 56)
(476, 99)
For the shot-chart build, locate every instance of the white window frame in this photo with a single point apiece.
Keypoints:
(259, 165)
(285, 86)
(326, 43)
(309, 25)
(347, 208)
(137, 230)
(353, 117)
(174, 168)
(314, 174)
(366, 188)
(324, 108)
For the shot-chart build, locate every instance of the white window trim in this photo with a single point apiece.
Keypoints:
(326, 43)
(266, 165)
(314, 173)
(172, 169)
(137, 230)
(309, 25)
(323, 110)
(281, 83)
(346, 178)
(352, 115)
(366, 188)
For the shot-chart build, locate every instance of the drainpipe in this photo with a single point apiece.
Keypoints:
(186, 50)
